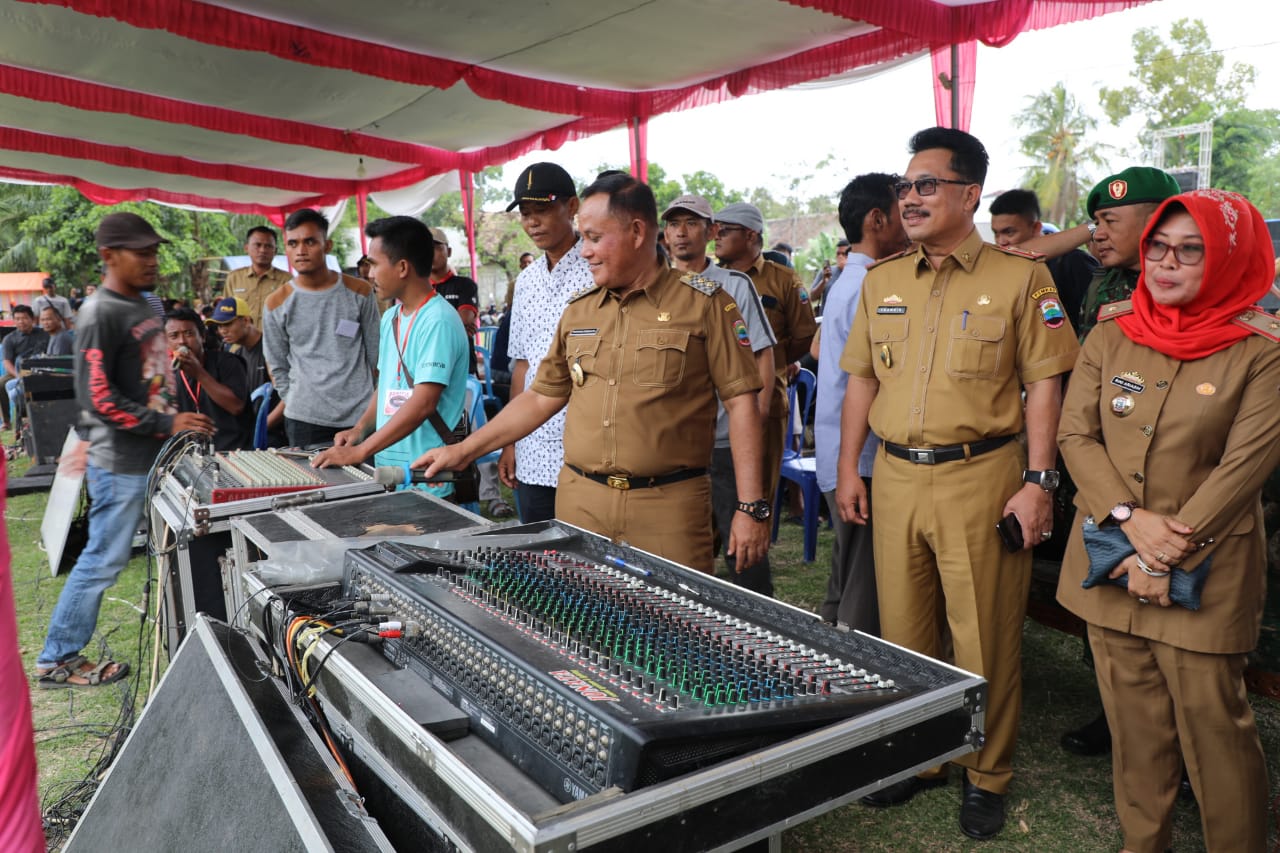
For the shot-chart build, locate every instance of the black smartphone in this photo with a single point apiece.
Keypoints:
(1010, 530)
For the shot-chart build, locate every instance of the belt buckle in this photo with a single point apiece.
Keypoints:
(616, 482)
(921, 455)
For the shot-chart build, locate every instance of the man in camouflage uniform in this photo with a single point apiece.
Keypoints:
(1120, 206)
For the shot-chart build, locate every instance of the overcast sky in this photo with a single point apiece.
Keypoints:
(866, 124)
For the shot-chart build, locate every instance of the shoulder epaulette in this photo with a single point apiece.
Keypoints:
(892, 257)
(700, 283)
(1019, 253)
(575, 296)
(1260, 323)
(1112, 310)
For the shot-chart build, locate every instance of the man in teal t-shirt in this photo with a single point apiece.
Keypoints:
(422, 356)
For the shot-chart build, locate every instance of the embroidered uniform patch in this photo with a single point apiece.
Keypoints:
(1051, 313)
(740, 331)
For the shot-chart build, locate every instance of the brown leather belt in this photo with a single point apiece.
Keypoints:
(950, 453)
(625, 483)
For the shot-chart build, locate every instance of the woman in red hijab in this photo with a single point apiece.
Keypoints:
(1171, 425)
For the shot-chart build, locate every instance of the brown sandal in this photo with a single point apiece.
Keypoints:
(80, 667)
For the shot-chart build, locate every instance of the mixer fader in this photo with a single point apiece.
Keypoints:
(589, 674)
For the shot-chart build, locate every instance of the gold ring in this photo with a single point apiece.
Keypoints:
(1162, 558)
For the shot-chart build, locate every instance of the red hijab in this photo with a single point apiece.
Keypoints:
(1239, 266)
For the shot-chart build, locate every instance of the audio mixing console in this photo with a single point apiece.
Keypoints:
(589, 671)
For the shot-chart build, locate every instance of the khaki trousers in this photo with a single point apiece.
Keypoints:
(935, 536)
(1166, 705)
(672, 521)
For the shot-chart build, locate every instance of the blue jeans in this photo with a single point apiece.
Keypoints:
(116, 507)
(13, 388)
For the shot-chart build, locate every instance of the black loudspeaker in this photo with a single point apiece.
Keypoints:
(220, 760)
(51, 409)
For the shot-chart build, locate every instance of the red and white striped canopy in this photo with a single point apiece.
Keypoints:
(263, 106)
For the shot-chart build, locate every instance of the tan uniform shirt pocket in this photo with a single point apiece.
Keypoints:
(888, 344)
(660, 356)
(976, 349)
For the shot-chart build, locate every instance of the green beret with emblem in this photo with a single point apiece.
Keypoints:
(1135, 185)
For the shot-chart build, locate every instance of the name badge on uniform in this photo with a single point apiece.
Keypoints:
(1130, 381)
(575, 333)
(394, 399)
(891, 309)
(347, 328)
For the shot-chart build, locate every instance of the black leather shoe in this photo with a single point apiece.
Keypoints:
(900, 792)
(981, 812)
(1093, 738)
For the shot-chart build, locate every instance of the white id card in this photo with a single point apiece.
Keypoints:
(395, 398)
(348, 328)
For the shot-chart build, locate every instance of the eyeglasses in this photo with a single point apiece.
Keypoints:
(924, 186)
(1188, 254)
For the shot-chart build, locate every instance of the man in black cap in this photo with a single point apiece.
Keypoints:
(126, 390)
(548, 202)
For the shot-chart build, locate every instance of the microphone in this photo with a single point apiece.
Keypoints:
(392, 476)
(177, 356)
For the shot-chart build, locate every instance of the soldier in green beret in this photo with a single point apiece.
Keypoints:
(1120, 206)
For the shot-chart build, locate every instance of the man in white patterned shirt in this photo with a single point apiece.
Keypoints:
(548, 202)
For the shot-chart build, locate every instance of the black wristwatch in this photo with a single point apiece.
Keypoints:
(759, 510)
(1047, 480)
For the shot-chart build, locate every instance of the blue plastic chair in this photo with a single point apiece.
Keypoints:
(485, 335)
(799, 469)
(483, 354)
(261, 397)
(473, 405)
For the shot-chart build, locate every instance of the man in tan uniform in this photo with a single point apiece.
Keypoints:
(786, 303)
(255, 282)
(945, 340)
(639, 359)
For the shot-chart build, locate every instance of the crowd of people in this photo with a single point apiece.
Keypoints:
(978, 395)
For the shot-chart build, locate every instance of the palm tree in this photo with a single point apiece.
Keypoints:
(1057, 130)
(18, 203)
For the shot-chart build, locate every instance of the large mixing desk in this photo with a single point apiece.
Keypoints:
(538, 688)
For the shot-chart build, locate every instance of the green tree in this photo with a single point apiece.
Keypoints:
(1181, 82)
(18, 203)
(1184, 81)
(60, 232)
(1055, 141)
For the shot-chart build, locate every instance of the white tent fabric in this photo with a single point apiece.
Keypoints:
(267, 105)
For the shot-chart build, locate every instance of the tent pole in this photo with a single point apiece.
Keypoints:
(638, 140)
(469, 217)
(955, 85)
(362, 218)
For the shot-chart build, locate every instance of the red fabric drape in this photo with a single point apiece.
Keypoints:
(50, 88)
(966, 74)
(114, 195)
(20, 829)
(993, 23)
(907, 27)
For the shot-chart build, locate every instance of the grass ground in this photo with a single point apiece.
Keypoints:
(1058, 802)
